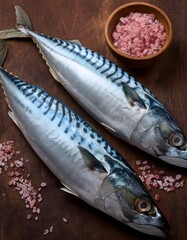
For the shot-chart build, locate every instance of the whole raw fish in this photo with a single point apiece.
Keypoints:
(115, 99)
(85, 163)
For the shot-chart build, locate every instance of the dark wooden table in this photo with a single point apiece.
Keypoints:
(85, 20)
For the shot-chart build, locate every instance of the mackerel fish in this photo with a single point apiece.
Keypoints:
(109, 94)
(81, 159)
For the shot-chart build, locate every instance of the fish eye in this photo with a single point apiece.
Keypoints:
(176, 140)
(143, 205)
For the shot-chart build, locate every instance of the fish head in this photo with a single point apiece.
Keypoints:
(159, 134)
(124, 197)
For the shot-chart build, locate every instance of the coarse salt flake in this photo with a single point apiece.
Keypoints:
(64, 219)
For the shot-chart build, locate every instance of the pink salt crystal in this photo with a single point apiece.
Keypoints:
(38, 210)
(160, 184)
(161, 172)
(178, 176)
(157, 176)
(138, 162)
(18, 163)
(8, 149)
(157, 197)
(65, 220)
(51, 229)
(43, 184)
(151, 176)
(147, 167)
(143, 173)
(29, 216)
(148, 181)
(148, 187)
(170, 189)
(32, 203)
(17, 174)
(144, 162)
(155, 184)
(142, 178)
(177, 184)
(36, 218)
(10, 183)
(46, 232)
(182, 183)
(143, 168)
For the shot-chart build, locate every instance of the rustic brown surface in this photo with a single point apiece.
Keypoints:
(84, 20)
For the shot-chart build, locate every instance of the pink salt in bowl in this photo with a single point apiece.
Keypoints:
(151, 51)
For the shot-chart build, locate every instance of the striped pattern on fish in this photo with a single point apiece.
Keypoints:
(113, 97)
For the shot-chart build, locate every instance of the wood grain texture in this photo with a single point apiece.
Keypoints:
(84, 20)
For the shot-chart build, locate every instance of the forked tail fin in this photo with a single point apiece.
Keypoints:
(22, 24)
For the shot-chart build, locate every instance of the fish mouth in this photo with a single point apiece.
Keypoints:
(161, 232)
(177, 161)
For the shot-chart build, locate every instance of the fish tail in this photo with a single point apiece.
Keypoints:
(22, 25)
(3, 52)
(22, 20)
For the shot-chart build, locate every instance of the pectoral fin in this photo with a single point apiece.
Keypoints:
(91, 161)
(11, 115)
(68, 190)
(132, 97)
(108, 127)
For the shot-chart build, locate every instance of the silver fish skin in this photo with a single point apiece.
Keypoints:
(114, 98)
(81, 159)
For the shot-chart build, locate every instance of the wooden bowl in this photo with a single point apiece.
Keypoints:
(141, 7)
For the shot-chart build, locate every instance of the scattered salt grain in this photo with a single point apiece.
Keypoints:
(138, 162)
(178, 177)
(158, 179)
(65, 220)
(43, 184)
(29, 216)
(19, 181)
(46, 232)
(51, 229)
(139, 34)
(157, 197)
(38, 210)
